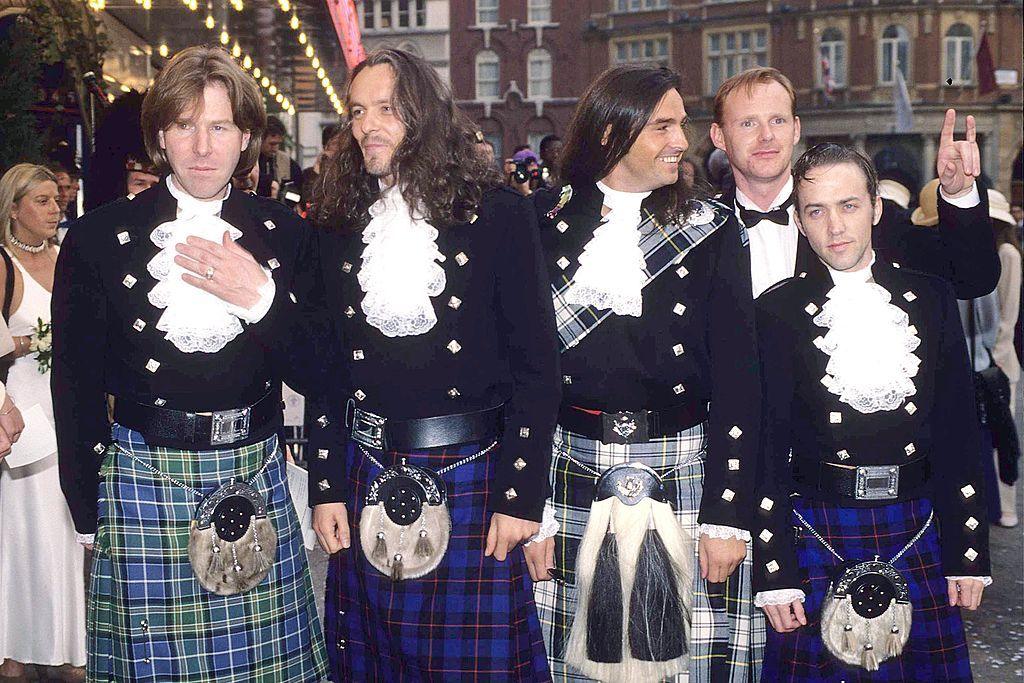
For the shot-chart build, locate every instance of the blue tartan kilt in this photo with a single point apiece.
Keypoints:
(471, 619)
(149, 619)
(937, 649)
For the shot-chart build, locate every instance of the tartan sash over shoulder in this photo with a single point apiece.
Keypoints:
(662, 244)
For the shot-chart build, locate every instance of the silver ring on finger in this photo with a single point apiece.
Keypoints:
(210, 271)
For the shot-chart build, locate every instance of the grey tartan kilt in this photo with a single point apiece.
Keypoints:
(728, 632)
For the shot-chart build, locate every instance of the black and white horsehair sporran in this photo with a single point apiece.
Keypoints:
(405, 506)
(866, 615)
(231, 521)
(635, 575)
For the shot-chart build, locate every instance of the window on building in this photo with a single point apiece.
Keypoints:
(369, 16)
(421, 12)
(488, 73)
(959, 55)
(639, 5)
(385, 14)
(538, 71)
(895, 48)
(486, 12)
(833, 52)
(641, 51)
(731, 52)
(538, 11)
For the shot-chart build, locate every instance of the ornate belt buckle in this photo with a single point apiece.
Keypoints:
(625, 427)
(229, 426)
(877, 482)
(368, 429)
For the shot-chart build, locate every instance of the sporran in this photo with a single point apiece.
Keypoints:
(866, 615)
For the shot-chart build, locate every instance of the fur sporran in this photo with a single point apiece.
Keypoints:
(405, 526)
(866, 616)
(232, 543)
(635, 574)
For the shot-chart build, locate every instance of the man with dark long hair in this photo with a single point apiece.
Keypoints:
(435, 435)
(655, 321)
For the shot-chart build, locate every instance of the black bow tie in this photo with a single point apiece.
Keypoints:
(752, 217)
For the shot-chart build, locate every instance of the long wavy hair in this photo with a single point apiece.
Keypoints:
(621, 101)
(437, 163)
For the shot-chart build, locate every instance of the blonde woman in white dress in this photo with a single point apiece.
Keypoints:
(42, 618)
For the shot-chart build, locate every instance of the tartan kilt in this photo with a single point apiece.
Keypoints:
(727, 633)
(149, 619)
(471, 619)
(937, 649)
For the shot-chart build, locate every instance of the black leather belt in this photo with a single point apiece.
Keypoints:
(195, 431)
(638, 426)
(888, 483)
(381, 433)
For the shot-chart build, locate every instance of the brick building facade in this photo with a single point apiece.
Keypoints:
(499, 48)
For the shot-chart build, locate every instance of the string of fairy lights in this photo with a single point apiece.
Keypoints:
(273, 91)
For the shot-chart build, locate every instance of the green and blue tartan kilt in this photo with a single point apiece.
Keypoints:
(149, 620)
(471, 619)
(937, 649)
(727, 634)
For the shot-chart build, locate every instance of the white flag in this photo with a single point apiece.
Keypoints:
(902, 111)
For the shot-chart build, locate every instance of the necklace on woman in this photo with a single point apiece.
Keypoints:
(32, 249)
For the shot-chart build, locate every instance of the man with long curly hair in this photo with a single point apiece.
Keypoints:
(431, 439)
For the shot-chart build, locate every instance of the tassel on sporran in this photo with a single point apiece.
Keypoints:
(232, 542)
(635, 574)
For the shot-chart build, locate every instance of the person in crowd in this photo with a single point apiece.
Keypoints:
(276, 166)
(328, 149)
(172, 303)
(139, 176)
(447, 392)
(898, 181)
(1004, 355)
(869, 533)
(42, 620)
(655, 321)
(719, 173)
(692, 172)
(522, 172)
(485, 148)
(67, 188)
(756, 125)
(550, 154)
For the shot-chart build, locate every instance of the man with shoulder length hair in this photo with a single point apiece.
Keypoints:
(432, 440)
(755, 123)
(171, 303)
(873, 453)
(655, 322)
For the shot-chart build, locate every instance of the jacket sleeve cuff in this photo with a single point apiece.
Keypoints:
(722, 531)
(259, 310)
(985, 580)
(782, 596)
(967, 201)
(549, 525)
(89, 539)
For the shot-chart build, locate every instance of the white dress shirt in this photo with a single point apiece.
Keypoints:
(772, 246)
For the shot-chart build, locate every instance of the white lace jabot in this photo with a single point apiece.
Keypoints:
(611, 273)
(193, 320)
(870, 344)
(400, 271)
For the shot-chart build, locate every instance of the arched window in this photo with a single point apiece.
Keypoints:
(833, 54)
(894, 47)
(959, 42)
(538, 67)
(488, 76)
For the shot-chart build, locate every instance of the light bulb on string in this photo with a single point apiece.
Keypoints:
(316, 63)
(285, 6)
(272, 89)
(265, 81)
(321, 74)
(294, 22)
(210, 23)
(225, 38)
(279, 98)
(247, 62)
(302, 37)
(309, 50)
(147, 4)
(110, 95)
(329, 89)
(325, 82)
(256, 72)
(236, 50)
(163, 50)
(285, 104)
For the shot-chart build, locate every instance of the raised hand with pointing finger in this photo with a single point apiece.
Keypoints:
(958, 162)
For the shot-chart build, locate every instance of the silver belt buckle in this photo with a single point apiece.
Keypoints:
(229, 426)
(877, 482)
(368, 429)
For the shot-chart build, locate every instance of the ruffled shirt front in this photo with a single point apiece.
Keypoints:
(195, 320)
(870, 344)
(400, 268)
(612, 267)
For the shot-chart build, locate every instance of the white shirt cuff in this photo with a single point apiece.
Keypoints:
(717, 531)
(255, 314)
(549, 525)
(985, 580)
(782, 596)
(967, 201)
(85, 539)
